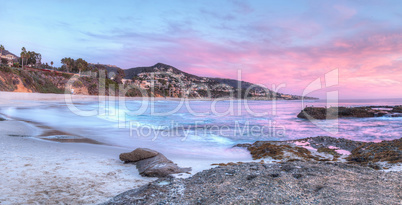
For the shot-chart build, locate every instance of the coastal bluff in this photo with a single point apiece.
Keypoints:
(322, 113)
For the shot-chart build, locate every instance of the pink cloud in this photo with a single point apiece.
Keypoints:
(360, 62)
(369, 61)
(345, 12)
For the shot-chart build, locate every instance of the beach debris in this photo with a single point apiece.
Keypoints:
(151, 163)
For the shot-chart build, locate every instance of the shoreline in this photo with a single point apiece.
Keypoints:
(5, 95)
(38, 170)
(69, 170)
(64, 171)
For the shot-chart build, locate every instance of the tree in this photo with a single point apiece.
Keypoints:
(1, 52)
(38, 59)
(23, 54)
(68, 62)
(64, 62)
(32, 58)
(51, 64)
(119, 76)
(3, 61)
(81, 65)
(27, 56)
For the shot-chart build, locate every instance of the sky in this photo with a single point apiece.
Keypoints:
(286, 44)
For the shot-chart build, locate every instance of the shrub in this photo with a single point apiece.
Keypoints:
(5, 69)
(77, 84)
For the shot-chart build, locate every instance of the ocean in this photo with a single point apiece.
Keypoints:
(203, 129)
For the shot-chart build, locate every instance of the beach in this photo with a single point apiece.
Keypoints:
(37, 171)
(43, 172)
(51, 156)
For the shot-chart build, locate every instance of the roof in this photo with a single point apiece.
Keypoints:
(6, 52)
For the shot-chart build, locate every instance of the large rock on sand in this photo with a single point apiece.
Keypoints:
(159, 166)
(151, 163)
(138, 154)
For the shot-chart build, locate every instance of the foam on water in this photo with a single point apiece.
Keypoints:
(194, 134)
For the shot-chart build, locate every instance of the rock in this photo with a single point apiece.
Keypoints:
(151, 163)
(312, 183)
(313, 112)
(138, 154)
(385, 151)
(159, 166)
(321, 113)
(396, 115)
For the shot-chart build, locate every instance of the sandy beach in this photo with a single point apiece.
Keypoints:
(36, 171)
(42, 172)
(79, 170)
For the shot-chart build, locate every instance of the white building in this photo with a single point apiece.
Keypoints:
(10, 57)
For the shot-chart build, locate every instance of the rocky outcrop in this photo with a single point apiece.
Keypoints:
(325, 141)
(324, 148)
(385, 151)
(278, 151)
(260, 183)
(321, 113)
(151, 163)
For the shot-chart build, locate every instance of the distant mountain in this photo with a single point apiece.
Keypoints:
(132, 72)
(191, 79)
(235, 83)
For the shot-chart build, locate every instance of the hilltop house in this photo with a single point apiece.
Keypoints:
(10, 57)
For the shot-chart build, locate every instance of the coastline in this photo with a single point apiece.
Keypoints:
(73, 171)
(42, 171)
(38, 171)
(4, 96)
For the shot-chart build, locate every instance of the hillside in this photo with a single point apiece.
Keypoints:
(256, 91)
(132, 72)
(45, 81)
(159, 80)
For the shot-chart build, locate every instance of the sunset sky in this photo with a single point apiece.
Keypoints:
(272, 42)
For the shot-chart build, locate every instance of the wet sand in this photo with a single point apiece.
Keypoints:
(43, 172)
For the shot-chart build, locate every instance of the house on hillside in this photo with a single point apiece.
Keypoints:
(126, 81)
(10, 57)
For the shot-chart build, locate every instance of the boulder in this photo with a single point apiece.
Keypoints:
(137, 155)
(151, 163)
(159, 166)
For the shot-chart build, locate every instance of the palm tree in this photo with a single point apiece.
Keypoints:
(23, 54)
(81, 65)
(69, 62)
(27, 56)
(1, 52)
